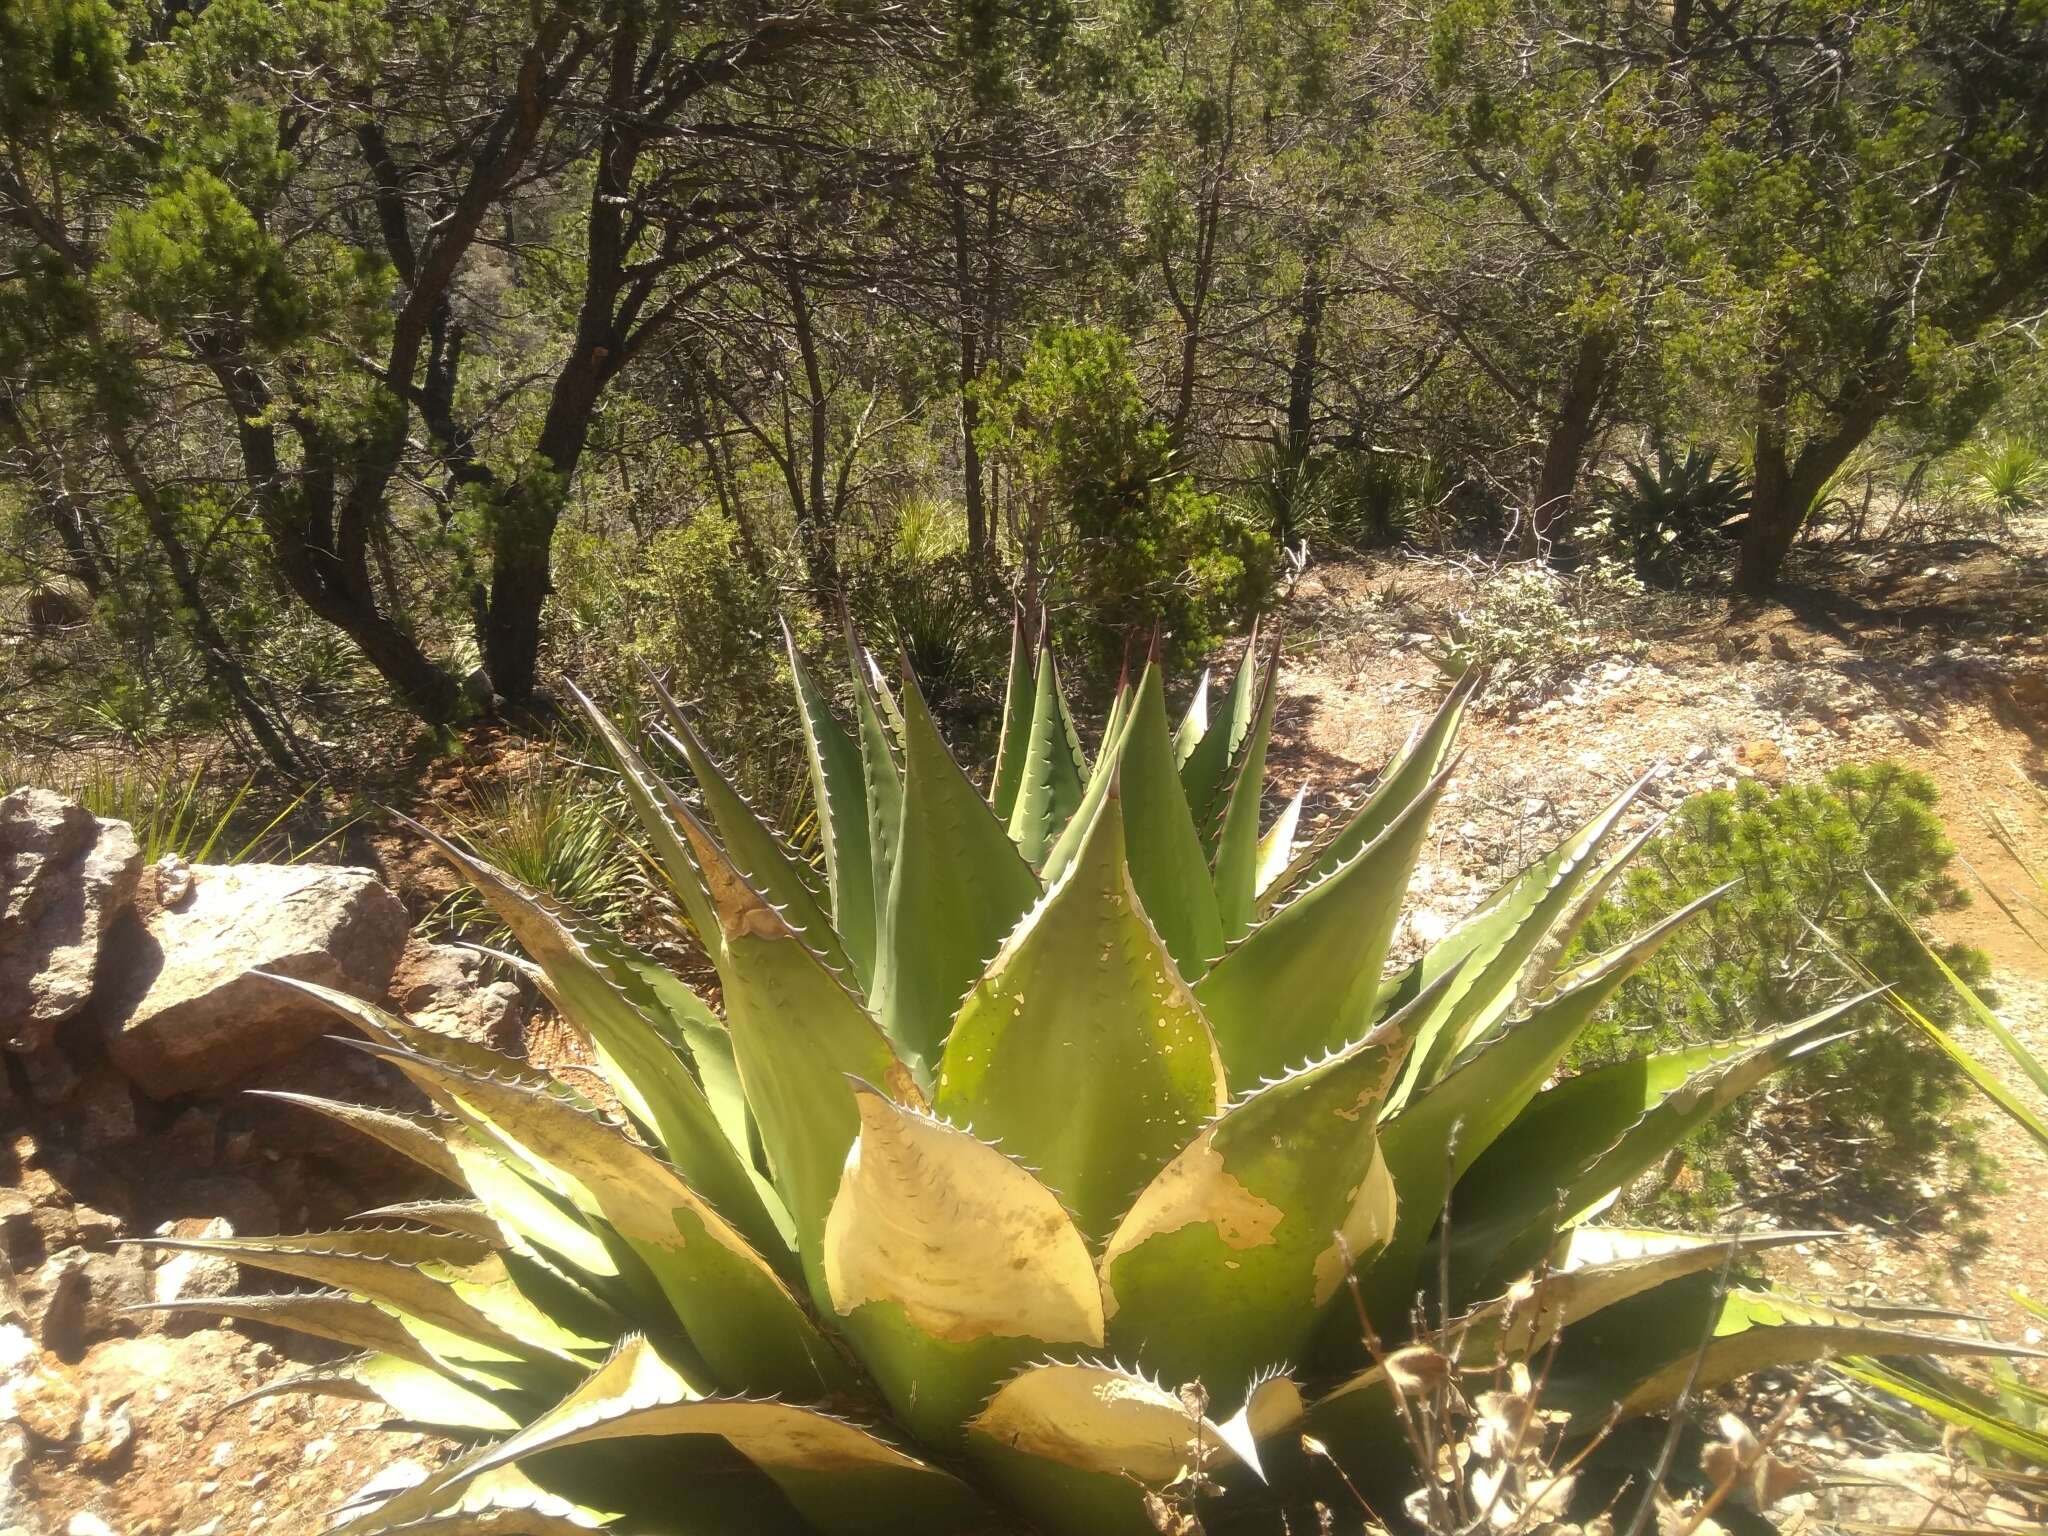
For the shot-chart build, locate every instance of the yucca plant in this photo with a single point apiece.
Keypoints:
(1051, 1151)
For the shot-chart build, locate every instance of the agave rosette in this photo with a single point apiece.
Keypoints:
(1025, 1112)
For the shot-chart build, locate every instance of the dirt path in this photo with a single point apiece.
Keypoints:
(1714, 701)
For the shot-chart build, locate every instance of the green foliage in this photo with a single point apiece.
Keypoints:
(1880, 1110)
(2005, 476)
(1112, 526)
(177, 811)
(558, 829)
(1531, 626)
(1675, 513)
(991, 1111)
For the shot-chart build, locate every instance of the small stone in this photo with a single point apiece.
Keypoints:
(184, 1276)
(85, 1523)
(65, 875)
(174, 880)
(104, 1433)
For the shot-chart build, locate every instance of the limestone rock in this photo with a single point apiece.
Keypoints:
(185, 1007)
(65, 875)
(446, 988)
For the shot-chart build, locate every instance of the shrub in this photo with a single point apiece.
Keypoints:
(1531, 626)
(1114, 535)
(1675, 514)
(1803, 854)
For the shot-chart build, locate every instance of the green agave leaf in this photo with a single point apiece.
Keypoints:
(1206, 768)
(1054, 769)
(734, 1307)
(1277, 846)
(601, 989)
(949, 1266)
(1420, 764)
(958, 886)
(1224, 1265)
(1012, 741)
(423, 1138)
(332, 1315)
(1578, 1144)
(661, 812)
(1431, 1142)
(1076, 1446)
(1589, 1269)
(525, 1215)
(1499, 941)
(1168, 866)
(1306, 980)
(801, 1040)
(1081, 1051)
(1638, 1356)
(1194, 725)
(419, 1394)
(840, 1477)
(1953, 1401)
(839, 790)
(686, 1022)
(403, 1288)
(1237, 843)
(882, 776)
(469, 1217)
(749, 841)
(504, 1502)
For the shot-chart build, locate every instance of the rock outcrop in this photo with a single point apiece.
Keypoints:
(65, 876)
(183, 1003)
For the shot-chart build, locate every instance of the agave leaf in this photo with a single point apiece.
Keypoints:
(1499, 941)
(1206, 769)
(882, 776)
(419, 1394)
(603, 995)
(1578, 1144)
(1081, 1050)
(801, 1040)
(1053, 772)
(1194, 724)
(1420, 763)
(734, 1307)
(1223, 1266)
(1953, 1401)
(1012, 741)
(404, 1289)
(1168, 866)
(749, 841)
(949, 1266)
(1096, 788)
(1641, 1353)
(1432, 1141)
(1306, 980)
(841, 1478)
(1589, 1269)
(1237, 843)
(958, 886)
(504, 1502)
(331, 1315)
(526, 1215)
(839, 790)
(469, 1217)
(661, 812)
(689, 1026)
(423, 1138)
(1076, 1446)
(1277, 846)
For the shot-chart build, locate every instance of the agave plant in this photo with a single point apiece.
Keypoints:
(1049, 1158)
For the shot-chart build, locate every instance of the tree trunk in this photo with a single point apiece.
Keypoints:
(1786, 485)
(1571, 434)
(1301, 399)
(813, 514)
